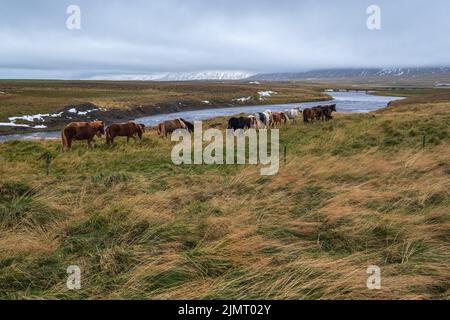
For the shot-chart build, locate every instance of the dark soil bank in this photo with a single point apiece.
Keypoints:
(91, 112)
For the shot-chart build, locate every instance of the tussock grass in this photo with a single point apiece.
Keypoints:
(357, 191)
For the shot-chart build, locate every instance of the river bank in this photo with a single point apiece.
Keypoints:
(91, 112)
(359, 102)
(35, 106)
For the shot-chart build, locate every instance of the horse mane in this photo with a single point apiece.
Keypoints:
(188, 125)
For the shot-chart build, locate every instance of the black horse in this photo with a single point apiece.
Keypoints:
(241, 123)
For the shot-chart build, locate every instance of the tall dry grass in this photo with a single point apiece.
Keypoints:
(358, 191)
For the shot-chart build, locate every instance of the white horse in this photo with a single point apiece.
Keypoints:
(293, 114)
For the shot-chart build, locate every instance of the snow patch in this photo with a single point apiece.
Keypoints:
(266, 93)
(81, 113)
(243, 99)
(12, 124)
(38, 117)
(206, 102)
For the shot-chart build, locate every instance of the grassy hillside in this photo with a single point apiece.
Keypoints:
(360, 190)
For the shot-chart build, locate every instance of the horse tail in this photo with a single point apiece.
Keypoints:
(108, 135)
(305, 116)
(162, 129)
(159, 129)
(140, 130)
(64, 142)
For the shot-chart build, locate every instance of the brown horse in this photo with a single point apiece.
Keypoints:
(95, 124)
(279, 118)
(167, 127)
(81, 131)
(319, 112)
(308, 115)
(130, 130)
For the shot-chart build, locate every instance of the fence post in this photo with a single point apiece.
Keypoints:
(285, 151)
(423, 141)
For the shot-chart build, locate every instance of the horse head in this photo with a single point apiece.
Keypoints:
(99, 127)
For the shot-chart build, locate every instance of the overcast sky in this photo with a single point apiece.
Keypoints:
(137, 36)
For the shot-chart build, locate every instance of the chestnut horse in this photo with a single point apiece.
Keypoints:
(129, 129)
(309, 115)
(167, 127)
(81, 131)
(279, 118)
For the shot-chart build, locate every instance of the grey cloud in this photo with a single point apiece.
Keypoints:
(258, 36)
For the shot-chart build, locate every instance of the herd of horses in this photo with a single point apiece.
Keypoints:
(261, 120)
(270, 119)
(88, 130)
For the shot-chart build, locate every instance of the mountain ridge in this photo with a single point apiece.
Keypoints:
(346, 73)
(178, 76)
(440, 73)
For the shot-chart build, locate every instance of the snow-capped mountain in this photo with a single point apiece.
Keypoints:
(178, 76)
(323, 74)
(356, 73)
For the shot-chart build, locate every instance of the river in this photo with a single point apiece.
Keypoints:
(351, 101)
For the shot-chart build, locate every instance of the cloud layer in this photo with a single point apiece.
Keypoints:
(126, 37)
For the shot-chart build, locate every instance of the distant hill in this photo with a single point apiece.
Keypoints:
(178, 76)
(363, 74)
(436, 76)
